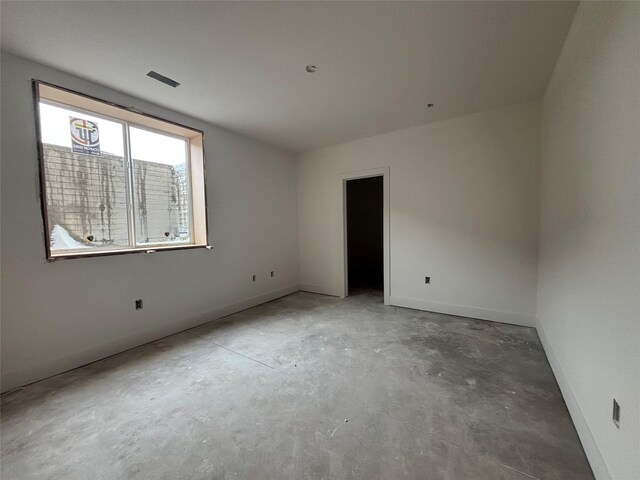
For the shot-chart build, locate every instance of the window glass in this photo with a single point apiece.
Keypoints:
(85, 180)
(160, 186)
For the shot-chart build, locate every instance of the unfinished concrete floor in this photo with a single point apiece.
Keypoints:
(307, 386)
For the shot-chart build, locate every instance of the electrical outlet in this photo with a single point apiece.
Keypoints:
(272, 273)
(616, 413)
(427, 279)
(139, 304)
(253, 278)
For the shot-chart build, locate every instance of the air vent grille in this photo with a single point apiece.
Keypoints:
(163, 79)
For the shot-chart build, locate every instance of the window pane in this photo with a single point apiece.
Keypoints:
(85, 180)
(161, 187)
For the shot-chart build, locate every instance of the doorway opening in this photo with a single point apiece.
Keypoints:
(365, 235)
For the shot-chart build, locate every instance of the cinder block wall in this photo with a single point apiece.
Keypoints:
(86, 195)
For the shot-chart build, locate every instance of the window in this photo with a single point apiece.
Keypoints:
(114, 180)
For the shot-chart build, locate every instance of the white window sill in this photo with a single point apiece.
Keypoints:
(123, 251)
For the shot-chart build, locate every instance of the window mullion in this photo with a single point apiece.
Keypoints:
(130, 186)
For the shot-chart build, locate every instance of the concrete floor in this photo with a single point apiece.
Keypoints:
(307, 386)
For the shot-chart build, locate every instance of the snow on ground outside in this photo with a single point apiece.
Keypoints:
(61, 240)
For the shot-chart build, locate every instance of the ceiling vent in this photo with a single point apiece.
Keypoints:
(163, 79)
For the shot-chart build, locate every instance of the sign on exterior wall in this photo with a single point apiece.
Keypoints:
(84, 136)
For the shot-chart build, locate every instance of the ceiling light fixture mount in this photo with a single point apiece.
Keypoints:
(429, 105)
(311, 68)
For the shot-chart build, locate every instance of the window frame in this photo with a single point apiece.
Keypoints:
(131, 200)
(199, 236)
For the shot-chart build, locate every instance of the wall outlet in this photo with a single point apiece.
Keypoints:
(272, 273)
(616, 413)
(139, 304)
(253, 278)
(427, 279)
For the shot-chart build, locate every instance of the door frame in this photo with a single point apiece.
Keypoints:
(386, 230)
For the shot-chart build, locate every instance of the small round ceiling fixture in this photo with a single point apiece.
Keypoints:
(311, 68)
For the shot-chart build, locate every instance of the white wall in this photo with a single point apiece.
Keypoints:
(589, 274)
(59, 315)
(463, 208)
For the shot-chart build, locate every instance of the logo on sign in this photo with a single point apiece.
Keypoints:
(84, 136)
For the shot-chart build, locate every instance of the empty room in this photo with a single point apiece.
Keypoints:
(320, 240)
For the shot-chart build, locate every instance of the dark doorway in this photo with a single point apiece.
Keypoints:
(365, 233)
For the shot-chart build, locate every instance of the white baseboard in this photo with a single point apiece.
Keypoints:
(24, 376)
(321, 289)
(598, 465)
(501, 316)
